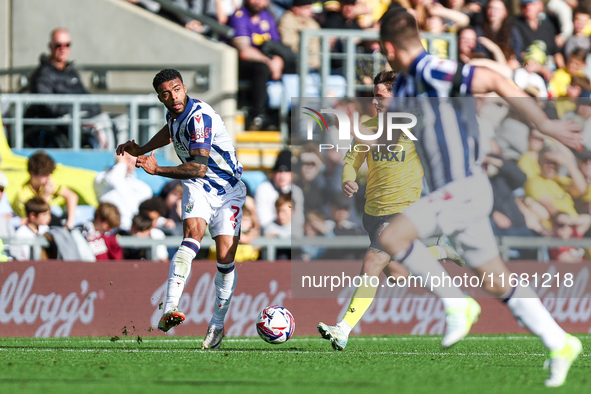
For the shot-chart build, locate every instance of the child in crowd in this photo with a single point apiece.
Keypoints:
(38, 218)
(142, 227)
(281, 227)
(103, 244)
(40, 167)
(565, 227)
(579, 40)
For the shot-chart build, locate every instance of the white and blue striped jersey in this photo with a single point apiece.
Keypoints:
(200, 127)
(447, 132)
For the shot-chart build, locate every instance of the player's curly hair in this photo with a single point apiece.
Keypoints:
(40, 164)
(168, 74)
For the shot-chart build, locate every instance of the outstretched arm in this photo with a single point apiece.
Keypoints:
(162, 138)
(486, 80)
(192, 169)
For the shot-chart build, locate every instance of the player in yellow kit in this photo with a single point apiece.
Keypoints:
(394, 181)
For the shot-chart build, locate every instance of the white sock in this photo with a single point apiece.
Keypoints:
(529, 311)
(345, 327)
(180, 268)
(420, 261)
(225, 283)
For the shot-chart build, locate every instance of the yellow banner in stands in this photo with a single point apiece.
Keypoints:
(15, 167)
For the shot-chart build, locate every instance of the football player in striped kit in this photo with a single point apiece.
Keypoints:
(213, 194)
(461, 199)
(394, 181)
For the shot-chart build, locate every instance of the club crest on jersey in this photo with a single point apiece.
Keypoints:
(189, 207)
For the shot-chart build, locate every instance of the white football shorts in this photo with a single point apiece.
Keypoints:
(222, 213)
(461, 211)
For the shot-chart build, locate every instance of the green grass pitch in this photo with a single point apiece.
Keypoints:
(398, 364)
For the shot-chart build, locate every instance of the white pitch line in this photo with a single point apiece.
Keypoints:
(256, 339)
(221, 352)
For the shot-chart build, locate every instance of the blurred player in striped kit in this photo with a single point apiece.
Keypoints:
(394, 181)
(461, 199)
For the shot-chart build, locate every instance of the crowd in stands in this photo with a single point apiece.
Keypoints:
(540, 187)
(542, 46)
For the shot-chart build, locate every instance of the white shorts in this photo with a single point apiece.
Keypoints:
(461, 211)
(222, 213)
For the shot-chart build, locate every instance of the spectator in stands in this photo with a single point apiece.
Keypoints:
(418, 9)
(527, 78)
(345, 17)
(300, 17)
(281, 226)
(315, 226)
(40, 184)
(143, 227)
(538, 33)
(6, 210)
(278, 7)
(172, 194)
(565, 227)
(556, 192)
(268, 192)
(99, 233)
(466, 44)
(226, 8)
(529, 161)
(248, 233)
(57, 75)
(38, 218)
(583, 204)
(149, 5)
(262, 56)
(507, 218)
(497, 26)
(120, 186)
(312, 181)
(339, 224)
(562, 78)
(199, 7)
(155, 208)
(452, 13)
(6, 228)
(584, 112)
(579, 40)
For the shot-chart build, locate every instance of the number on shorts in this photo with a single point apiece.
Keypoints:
(236, 212)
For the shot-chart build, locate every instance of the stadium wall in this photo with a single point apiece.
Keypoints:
(61, 299)
(115, 32)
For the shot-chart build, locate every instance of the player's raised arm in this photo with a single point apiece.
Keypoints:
(486, 80)
(195, 168)
(162, 138)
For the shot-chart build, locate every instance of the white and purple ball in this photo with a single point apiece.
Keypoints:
(275, 324)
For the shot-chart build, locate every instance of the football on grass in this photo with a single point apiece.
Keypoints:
(275, 324)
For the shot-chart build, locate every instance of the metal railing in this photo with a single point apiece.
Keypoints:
(270, 246)
(350, 56)
(133, 102)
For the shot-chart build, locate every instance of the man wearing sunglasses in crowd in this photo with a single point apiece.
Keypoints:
(56, 74)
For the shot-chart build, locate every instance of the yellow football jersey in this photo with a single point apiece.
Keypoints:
(394, 178)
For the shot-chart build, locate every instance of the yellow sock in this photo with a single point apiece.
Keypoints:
(362, 299)
(437, 252)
